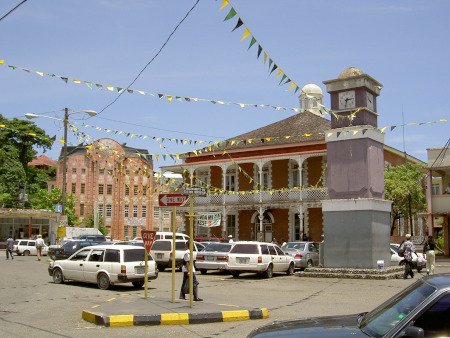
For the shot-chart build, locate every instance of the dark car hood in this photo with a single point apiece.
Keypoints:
(335, 326)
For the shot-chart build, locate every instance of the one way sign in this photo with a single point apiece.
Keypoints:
(172, 200)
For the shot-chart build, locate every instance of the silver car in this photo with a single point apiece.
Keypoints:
(213, 257)
(305, 254)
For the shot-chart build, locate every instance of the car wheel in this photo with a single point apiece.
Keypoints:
(26, 253)
(161, 268)
(235, 274)
(138, 284)
(309, 264)
(269, 272)
(203, 271)
(58, 276)
(291, 269)
(103, 281)
(401, 262)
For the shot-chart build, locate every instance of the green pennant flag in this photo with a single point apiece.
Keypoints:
(230, 14)
(238, 24)
(270, 63)
(252, 43)
(282, 79)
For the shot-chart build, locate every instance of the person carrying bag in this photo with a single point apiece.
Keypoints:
(428, 250)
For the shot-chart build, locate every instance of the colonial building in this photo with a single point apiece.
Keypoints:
(112, 180)
(438, 193)
(269, 183)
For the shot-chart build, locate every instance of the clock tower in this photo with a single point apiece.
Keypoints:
(356, 217)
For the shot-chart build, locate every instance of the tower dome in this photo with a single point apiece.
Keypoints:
(311, 98)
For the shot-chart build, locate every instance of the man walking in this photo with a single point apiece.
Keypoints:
(39, 245)
(9, 247)
(408, 248)
(186, 270)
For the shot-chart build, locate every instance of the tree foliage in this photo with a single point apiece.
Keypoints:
(44, 199)
(403, 184)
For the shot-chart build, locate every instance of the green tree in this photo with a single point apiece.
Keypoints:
(18, 140)
(89, 222)
(44, 199)
(403, 187)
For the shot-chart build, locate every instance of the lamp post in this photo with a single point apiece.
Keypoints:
(64, 150)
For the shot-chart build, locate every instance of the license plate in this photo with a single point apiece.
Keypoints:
(159, 255)
(243, 260)
(139, 270)
(209, 258)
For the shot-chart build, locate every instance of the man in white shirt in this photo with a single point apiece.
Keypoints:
(185, 283)
(447, 190)
(39, 245)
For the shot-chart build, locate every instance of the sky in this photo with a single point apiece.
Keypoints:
(402, 44)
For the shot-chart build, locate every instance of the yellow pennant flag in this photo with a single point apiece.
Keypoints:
(355, 132)
(265, 56)
(40, 73)
(169, 98)
(293, 84)
(2, 62)
(76, 81)
(111, 88)
(224, 4)
(280, 71)
(383, 130)
(246, 34)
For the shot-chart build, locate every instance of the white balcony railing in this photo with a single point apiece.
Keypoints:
(309, 194)
(441, 203)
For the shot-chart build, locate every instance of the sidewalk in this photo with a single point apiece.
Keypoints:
(132, 310)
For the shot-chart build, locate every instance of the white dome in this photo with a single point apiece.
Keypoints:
(312, 89)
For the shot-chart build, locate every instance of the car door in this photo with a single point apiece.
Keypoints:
(93, 264)
(282, 258)
(314, 253)
(435, 320)
(277, 263)
(73, 267)
(31, 246)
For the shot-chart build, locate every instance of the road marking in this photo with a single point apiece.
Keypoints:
(230, 305)
(111, 299)
(95, 306)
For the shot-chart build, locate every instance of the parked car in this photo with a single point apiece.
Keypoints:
(92, 238)
(166, 235)
(162, 253)
(105, 265)
(305, 254)
(68, 248)
(419, 262)
(27, 247)
(135, 243)
(213, 257)
(262, 258)
(420, 310)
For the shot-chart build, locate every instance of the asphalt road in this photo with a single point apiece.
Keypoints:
(32, 306)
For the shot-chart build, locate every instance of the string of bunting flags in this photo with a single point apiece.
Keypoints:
(248, 35)
(168, 97)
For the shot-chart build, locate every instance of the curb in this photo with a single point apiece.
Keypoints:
(174, 318)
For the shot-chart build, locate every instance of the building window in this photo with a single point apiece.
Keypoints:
(109, 189)
(231, 225)
(125, 231)
(82, 188)
(81, 209)
(74, 170)
(134, 232)
(127, 172)
(144, 211)
(127, 190)
(74, 188)
(155, 213)
(144, 190)
(83, 170)
(435, 189)
(110, 172)
(135, 210)
(230, 182)
(100, 209)
(100, 189)
(126, 210)
(135, 190)
(108, 210)
(166, 215)
(101, 171)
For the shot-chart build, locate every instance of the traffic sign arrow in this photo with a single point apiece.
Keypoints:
(172, 200)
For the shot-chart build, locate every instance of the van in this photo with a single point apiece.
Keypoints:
(27, 247)
(179, 236)
(162, 253)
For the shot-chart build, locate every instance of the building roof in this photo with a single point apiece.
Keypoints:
(302, 127)
(43, 160)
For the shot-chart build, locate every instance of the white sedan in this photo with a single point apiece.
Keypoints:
(418, 260)
(104, 265)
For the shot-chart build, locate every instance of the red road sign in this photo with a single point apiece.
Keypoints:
(172, 200)
(148, 236)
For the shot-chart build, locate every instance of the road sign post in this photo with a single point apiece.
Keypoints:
(172, 200)
(148, 236)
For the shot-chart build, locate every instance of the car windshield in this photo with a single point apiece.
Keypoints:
(245, 249)
(380, 320)
(297, 246)
(162, 246)
(133, 255)
(217, 247)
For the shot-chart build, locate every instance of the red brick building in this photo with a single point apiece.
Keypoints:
(114, 180)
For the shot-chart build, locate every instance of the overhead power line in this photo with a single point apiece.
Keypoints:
(153, 58)
(12, 10)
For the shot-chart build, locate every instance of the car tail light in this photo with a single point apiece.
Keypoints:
(200, 258)
(259, 259)
(123, 269)
(298, 255)
(222, 258)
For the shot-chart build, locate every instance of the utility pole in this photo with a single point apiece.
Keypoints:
(64, 154)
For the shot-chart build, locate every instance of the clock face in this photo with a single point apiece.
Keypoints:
(347, 99)
(369, 101)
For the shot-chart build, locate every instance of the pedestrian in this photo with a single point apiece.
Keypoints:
(9, 247)
(408, 248)
(305, 237)
(39, 245)
(428, 250)
(186, 271)
(447, 190)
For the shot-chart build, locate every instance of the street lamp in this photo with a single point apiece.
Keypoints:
(91, 113)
